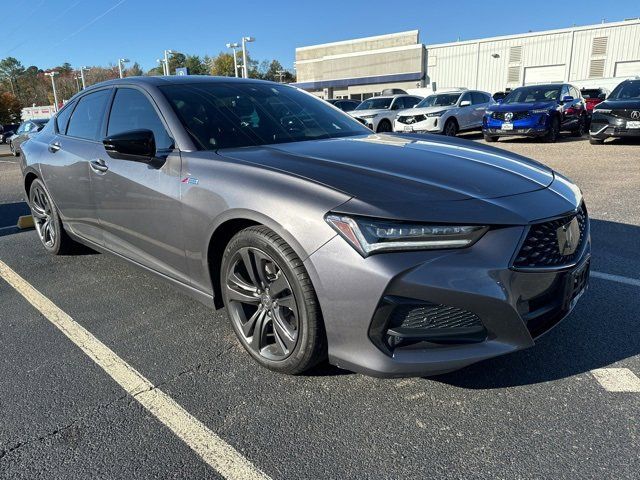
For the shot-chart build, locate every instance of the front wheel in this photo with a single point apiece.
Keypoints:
(580, 131)
(271, 302)
(450, 128)
(554, 131)
(384, 126)
(490, 138)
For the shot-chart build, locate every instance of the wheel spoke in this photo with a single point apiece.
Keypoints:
(248, 326)
(239, 284)
(260, 262)
(283, 331)
(242, 297)
(249, 265)
(279, 286)
(257, 339)
(287, 301)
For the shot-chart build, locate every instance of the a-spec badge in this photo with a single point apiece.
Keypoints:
(568, 237)
(190, 180)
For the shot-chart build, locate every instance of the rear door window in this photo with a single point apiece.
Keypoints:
(86, 120)
(62, 119)
(132, 110)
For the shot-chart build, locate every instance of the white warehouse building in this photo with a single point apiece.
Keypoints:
(594, 55)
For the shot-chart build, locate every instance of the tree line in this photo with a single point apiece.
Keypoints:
(22, 86)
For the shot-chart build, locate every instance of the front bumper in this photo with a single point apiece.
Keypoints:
(534, 126)
(430, 125)
(619, 129)
(514, 307)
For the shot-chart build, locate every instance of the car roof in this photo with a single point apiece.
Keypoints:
(178, 80)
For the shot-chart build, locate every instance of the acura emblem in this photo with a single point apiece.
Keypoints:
(635, 115)
(568, 237)
(508, 116)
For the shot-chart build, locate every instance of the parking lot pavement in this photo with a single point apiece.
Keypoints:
(539, 413)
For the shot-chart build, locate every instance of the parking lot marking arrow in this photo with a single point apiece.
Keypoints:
(221, 456)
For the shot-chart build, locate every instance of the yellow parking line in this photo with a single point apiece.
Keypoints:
(225, 459)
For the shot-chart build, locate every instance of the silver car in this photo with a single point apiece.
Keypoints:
(449, 113)
(389, 254)
(378, 113)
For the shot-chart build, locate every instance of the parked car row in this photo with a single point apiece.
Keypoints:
(24, 132)
(537, 111)
(7, 131)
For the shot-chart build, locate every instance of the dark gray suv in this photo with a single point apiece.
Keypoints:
(390, 254)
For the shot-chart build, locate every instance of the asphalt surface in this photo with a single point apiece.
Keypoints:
(538, 413)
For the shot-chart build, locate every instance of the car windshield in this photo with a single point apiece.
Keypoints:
(626, 91)
(534, 94)
(229, 115)
(590, 92)
(375, 104)
(441, 100)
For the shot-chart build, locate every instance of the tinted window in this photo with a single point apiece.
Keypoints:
(86, 120)
(466, 97)
(441, 100)
(375, 104)
(223, 115)
(62, 119)
(626, 91)
(132, 110)
(478, 98)
(533, 94)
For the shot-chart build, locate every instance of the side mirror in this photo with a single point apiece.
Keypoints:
(567, 99)
(499, 100)
(602, 96)
(136, 145)
(465, 103)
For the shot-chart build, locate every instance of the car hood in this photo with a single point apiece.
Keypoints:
(519, 107)
(361, 113)
(620, 104)
(403, 173)
(425, 110)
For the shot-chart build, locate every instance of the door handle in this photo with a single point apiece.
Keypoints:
(54, 147)
(99, 165)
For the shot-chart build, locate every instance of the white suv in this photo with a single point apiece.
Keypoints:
(449, 113)
(378, 113)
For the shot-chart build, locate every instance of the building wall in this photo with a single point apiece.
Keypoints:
(486, 64)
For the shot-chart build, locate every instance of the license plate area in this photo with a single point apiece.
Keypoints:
(633, 124)
(577, 284)
(507, 126)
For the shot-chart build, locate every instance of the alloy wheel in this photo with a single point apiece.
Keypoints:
(450, 129)
(43, 218)
(262, 304)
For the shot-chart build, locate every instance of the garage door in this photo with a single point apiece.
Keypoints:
(627, 69)
(546, 74)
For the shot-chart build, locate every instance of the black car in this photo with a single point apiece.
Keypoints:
(344, 104)
(25, 131)
(7, 131)
(619, 115)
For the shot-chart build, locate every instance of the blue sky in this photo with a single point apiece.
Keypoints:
(97, 32)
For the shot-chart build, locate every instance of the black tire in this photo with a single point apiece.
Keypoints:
(272, 259)
(582, 125)
(450, 128)
(384, 126)
(554, 131)
(596, 141)
(47, 221)
(490, 138)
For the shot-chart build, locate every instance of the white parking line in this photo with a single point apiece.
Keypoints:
(617, 379)
(616, 278)
(225, 459)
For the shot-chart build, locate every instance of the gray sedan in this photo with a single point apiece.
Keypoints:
(388, 254)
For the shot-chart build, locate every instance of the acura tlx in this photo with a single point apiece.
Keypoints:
(389, 254)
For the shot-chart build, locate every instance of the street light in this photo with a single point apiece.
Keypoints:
(234, 46)
(166, 60)
(245, 68)
(77, 78)
(53, 84)
(82, 70)
(161, 62)
(121, 61)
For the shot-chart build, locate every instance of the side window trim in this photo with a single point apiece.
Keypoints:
(70, 106)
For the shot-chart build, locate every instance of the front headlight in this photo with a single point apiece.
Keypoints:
(369, 236)
(368, 116)
(601, 110)
(540, 110)
(434, 114)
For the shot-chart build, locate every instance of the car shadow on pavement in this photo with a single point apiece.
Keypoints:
(602, 330)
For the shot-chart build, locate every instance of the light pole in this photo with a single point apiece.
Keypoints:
(280, 74)
(166, 60)
(77, 77)
(121, 61)
(82, 70)
(161, 62)
(234, 46)
(53, 84)
(245, 69)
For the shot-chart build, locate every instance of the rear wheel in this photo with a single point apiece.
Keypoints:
(384, 126)
(554, 130)
(271, 302)
(582, 124)
(47, 221)
(490, 138)
(450, 128)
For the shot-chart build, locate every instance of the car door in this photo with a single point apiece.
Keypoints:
(464, 116)
(569, 116)
(66, 172)
(138, 203)
(479, 101)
